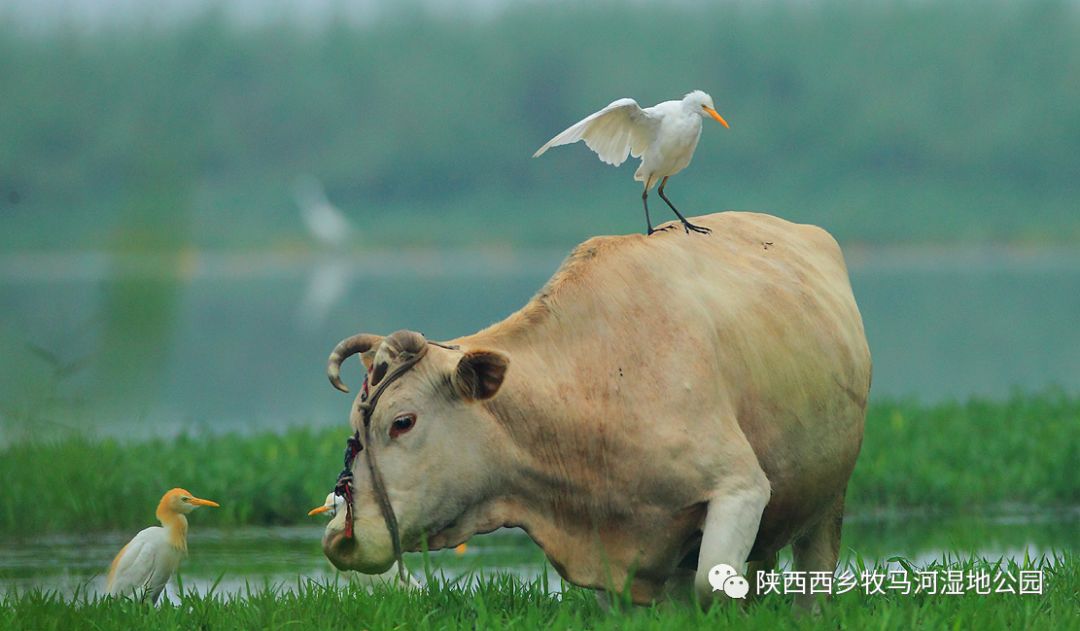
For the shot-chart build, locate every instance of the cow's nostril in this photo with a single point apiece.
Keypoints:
(339, 549)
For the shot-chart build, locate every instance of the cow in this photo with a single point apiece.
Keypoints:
(662, 405)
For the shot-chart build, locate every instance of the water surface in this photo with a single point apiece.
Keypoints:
(239, 341)
(233, 561)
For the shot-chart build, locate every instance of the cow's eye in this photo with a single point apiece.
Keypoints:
(402, 424)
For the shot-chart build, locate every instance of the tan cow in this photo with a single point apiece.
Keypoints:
(664, 404)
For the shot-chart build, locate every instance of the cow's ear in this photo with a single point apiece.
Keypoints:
(479, 374)
(369, 359)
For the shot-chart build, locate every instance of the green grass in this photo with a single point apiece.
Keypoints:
(506, 602)
(973, 456)
(979, 453)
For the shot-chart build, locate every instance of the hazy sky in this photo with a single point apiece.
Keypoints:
(90, 13)
(41, 13)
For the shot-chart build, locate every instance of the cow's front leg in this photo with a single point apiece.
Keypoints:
(731, 526)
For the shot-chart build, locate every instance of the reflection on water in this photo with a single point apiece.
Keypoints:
(246, 336)
(231, 562)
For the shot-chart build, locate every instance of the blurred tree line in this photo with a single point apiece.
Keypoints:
(884, 122)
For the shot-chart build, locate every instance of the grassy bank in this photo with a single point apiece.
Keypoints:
(979, 453)
(508, 602)
(959, 456)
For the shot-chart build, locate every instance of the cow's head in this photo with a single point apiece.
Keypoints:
(433, 443)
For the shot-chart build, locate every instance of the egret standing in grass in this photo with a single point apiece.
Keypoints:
(143, 566)
(331, 506)
(664, 136)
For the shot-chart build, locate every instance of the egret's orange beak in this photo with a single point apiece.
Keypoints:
(460, 549)
(199, 502)
(716, 116)
(319, 510)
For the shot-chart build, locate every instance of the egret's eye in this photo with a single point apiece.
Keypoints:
(402, 424)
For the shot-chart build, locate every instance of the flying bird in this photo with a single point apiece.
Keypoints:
(143, 566)
(664, 136)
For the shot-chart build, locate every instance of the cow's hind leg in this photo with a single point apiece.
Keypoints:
(764, 564)
(731, 525)
(818, 549)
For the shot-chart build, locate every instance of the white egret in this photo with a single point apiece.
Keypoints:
(664, 136)
(332, 505)
(143, 566)
(335, 503)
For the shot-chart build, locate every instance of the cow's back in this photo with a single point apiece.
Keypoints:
(755, 322)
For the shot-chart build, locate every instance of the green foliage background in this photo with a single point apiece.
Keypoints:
(884, 122)
(913, 457)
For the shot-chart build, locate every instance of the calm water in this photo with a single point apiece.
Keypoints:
(239, 341)
(284, 557)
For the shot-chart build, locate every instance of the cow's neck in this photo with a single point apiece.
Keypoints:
(550, 487)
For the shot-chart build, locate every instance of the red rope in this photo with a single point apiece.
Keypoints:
(343, 488)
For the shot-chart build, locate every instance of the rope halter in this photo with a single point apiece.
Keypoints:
(396, 354)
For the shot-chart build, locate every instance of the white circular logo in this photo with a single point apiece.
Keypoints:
(724, 578)
(720, 573)
(736, 587)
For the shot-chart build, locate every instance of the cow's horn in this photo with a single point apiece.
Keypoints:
(405, 341)
(360, 343)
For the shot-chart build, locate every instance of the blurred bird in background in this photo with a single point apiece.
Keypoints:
(329, 227)
(323, 220)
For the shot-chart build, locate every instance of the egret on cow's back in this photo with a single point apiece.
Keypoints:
(664, 136)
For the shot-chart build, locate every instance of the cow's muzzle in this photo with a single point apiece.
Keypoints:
(351, 553)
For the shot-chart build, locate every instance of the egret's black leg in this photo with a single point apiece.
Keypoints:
(645, 202)
(686, 224)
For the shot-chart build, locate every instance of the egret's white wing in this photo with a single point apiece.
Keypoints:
(143, 567)
(620, 129)
(133, 565)
(165, 563)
